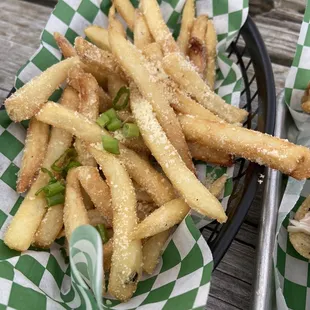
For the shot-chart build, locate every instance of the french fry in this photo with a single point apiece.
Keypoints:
(88, 89)
(98, 36)
(255, 146)
(144, 209)
(152, 250)
(157, 26)
(74, 212)
(34, 152)
(108, 251)
(197, 44)
(127, 254)
(64, 45)
(115, 23)
(28, 100)
(127, 11)
(141, 194)
(115, 82)
(210, 155)
(142, 35)
(183, 73)
(105, 101)
(188, 17)
(27, 219)
(137, 67)
(218, 185)
(211, 42)
(153, 52)
(139, 169)
(95, 218)
(97, 190)
(185, 182)
(163, 218)
(97, 58)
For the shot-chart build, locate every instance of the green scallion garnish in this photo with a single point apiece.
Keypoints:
(114, 124)
(131, 130)
(111, 114)
(62, 162)
(53, 189)
(103, 120)
(121, 99)
(110, 144)
(103, 232)
(72, 164)
(55, 200)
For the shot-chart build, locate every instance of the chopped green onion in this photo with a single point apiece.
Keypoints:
(62, 162)
(50, 173)
(114, 124)
(55, 200)
(121, 99)
(103, 120)
(72, 164)
(103, 232)
(110, 144)
(111, 114)
(53, 189)
(131, 130)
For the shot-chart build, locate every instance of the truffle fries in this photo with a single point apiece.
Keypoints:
(127, 11)
(34, 152)
(26, 221)
(157, 26)
(188, 17)
(139, 169)
(305, 100)
(64, 45)
(142, 36)
(183, 73)
(98, 36)
(136, 66)
(28, 100)
(88, 89)
(197, 45)
(264, 149)
(127, 254)
(194, 193)
(211, 42)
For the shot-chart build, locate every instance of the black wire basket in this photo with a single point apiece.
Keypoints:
(259, 99)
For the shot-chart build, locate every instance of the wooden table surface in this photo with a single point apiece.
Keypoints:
(21, 23)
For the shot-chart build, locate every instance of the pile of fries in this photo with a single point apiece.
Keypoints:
(122, 103)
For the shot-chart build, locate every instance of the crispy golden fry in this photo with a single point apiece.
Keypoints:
(105, 101)
(74, 212)
(95, 218)
(97, 190)
(305, 100)
(127, 11)
(255, 146)
(152, 250)
(197, 44)
(34, 152)
(163, 218)
(98, 36)
(139, 169)
(211, 42)
(127, 254)
(45, 236)
(142, 35)
(210, 155)
(28, 100)
(88, 89)
(86, 200)
(64, 45)
(182, 72)
(218, 185)
(144, 209)
(108, 251)
(153, 52)
(137, 67)
(97, 58)
(158, 27)
(115, 23)
(26, 221)
(184, 181)
(188, 17)
(186, 105)
(141, 194)
(115, 82)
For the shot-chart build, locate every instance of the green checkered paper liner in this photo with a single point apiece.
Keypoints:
(43, 279)
(292, 271)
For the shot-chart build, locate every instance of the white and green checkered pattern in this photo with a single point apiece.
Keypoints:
(40, 279)
(292, 271)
